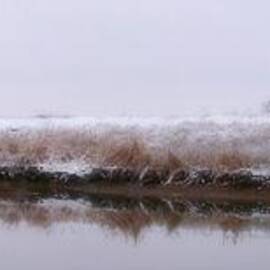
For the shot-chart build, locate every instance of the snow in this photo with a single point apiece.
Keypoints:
(129, 121)
(197, 130)
(78, 167)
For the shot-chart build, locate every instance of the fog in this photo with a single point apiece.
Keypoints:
(111, 58)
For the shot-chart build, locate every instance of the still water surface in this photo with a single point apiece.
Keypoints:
(112, 233)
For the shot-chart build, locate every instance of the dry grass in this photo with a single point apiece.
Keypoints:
(138, 149)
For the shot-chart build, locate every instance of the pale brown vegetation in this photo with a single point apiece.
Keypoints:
(138, 149)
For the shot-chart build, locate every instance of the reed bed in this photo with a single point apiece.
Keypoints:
(212, 146)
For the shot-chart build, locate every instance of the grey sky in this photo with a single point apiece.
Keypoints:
(115, 57)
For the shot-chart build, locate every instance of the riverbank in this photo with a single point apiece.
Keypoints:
(200, 184)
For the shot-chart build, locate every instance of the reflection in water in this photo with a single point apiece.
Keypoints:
(117, 232)
(131, 216)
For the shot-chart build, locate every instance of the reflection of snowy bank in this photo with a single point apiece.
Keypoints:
(132, 217)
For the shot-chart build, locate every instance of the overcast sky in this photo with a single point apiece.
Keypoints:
(115, 57)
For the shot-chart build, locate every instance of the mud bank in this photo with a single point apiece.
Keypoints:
(238, 185)
(236, 179)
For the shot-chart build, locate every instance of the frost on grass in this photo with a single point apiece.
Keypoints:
(226, 146)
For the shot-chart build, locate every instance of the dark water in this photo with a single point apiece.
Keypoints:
(109, 232)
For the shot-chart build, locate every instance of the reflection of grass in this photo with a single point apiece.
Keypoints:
(233, 224)
(132, 218)
(139, 149)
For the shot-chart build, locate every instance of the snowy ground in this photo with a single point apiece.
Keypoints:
(248, 117)
(198, 140)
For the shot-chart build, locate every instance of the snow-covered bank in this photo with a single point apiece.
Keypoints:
(41, 122)
(224, 143)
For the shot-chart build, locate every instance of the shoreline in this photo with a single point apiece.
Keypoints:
(199, 184)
